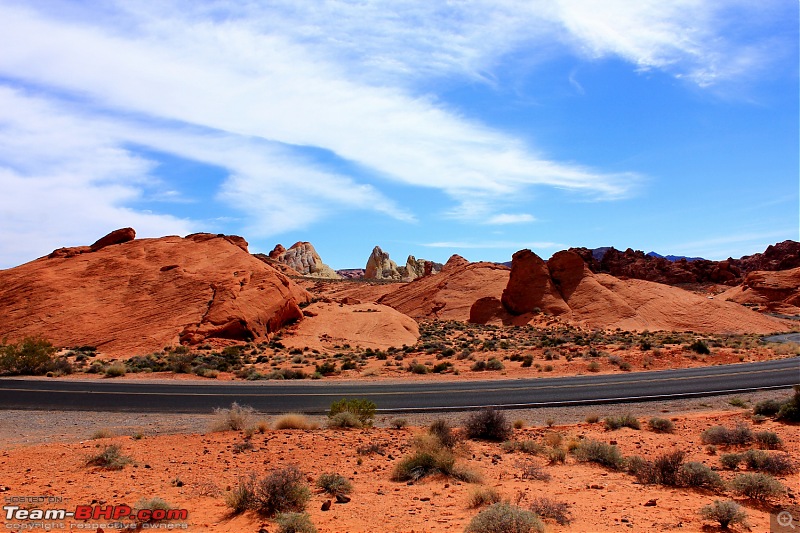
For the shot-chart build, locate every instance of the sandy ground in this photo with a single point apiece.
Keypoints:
(178, 459)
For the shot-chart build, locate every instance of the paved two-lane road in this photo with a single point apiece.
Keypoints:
(316, 397)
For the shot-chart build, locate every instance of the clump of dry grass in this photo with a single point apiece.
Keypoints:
(295, 421)
(235, 418)
(483, 496)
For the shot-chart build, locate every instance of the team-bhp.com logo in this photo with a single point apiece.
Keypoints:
(95, 512)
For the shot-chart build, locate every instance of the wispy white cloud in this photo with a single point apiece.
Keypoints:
(510, 218)
(246, 86)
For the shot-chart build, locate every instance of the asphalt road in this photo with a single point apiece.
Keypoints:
(418, 396)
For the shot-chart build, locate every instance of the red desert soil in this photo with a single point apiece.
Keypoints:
(194, 471)
(142, 295)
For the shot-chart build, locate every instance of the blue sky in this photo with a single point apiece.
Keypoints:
(427, 128)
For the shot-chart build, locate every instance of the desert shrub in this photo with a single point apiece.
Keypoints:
(767, 407)
(369, 449)
(326, 369)
(772, 463)
(483, 496)
(242, 496)
(557, 456)
(737, 402)
(478, 366)
(116, 370)
(423, 463)
(234, 418)
(334, 484)
(294, 421)
(661, 425)
(102, 434)
(790, 410)
(730, 461)
(153, 504)
(488, 424)
(551, 509)
(295, 523)
(110, 458)
(281, 490)
(441, 430)
(767, 440)
(518, 424)
(344, 419)
(719, 435)
(592, 419)
(699, 347)
(525, 446)
(363, 409)
(694, 474)
(724, 513)
(527, 361)
(616, 422)
(504, 518)
(667, 468)
(31, 356)
(398, 423)
(552, 438)
(756, 486)
(417, 368)
(494, 364)
(531, 470)
(593, 366)
(599, 452)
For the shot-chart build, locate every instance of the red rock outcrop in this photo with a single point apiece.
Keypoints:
(142, 295)
(450, 294)
(303, 258)
(530, 288)
(777, 292)
(636, 264)
(601, 301)
(117, 236)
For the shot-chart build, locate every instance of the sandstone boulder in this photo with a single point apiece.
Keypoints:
(303, 258)
(530, 287)
(142, 295)
(118, 236)
(380, 266)
(777, 292)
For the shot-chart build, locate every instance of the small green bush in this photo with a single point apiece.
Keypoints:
(363, 409)
(772, 463)
(505, 518)
(344, 419)
(488, 424)
(790, 410)
(110, 458)
(699, 347)
(767, 440)
(767, 407)
(334, 484)
(423, 463)
(661, 425)
(601, 453)
(694, 474)
(616, 422)
(31, 356)
(724, 513)
(730, 461)
(719, 435)
(757, 486)
(295, 523)
(116, 370)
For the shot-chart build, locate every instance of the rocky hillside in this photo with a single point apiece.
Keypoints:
(566, 288)
(380, 266)
(131, 297)
(638, 265)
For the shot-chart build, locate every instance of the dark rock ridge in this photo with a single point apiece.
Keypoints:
(638, 265)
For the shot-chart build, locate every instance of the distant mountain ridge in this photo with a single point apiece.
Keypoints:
(674, 258)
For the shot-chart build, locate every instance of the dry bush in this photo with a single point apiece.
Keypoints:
(531, 470)
(295, 421)
(280, 491)
(551, 509)
(616, 422)
(234, 418)
(295, 523)
(720, 435)
(757, 486)
(344, 419)
(552, 439)
(483, 496)
(110, 458)
(661, 425)
(767, 440)
(601, 453)
(724, 513)
(103, 434)
(334, 484)
(504, 518)
(441, 430)
(488, 424)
